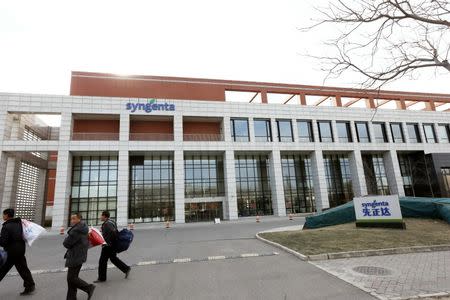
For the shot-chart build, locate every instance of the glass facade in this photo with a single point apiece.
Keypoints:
(379, 132)
(203, 176)
(203, 211)
(338, 177)
(444, 133)
(263, 130)
(397, 133)
(284, 131)
(151, 188)
(239, 130)
(94, 187)
(298, 184)
(325, 131)
(344, 133)
(253, 185)
(375, 173)
(430, 136)
(362, 131)
(305, 131)
(413, 133)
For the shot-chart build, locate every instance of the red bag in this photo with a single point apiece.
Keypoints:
(95, 238)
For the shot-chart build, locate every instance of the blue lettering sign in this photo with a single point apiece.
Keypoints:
(151, 105)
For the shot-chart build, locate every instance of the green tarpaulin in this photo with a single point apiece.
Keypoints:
(412, 207)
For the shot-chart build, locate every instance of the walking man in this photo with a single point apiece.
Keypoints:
(109, 232)
(11, 239)
(77, 245)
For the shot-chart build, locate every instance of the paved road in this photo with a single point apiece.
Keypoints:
(279, 276)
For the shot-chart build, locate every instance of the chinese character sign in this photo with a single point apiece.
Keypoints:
(378, 208)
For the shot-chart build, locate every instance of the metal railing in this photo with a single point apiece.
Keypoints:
(95, 136)
(151, 136)
(203, 137)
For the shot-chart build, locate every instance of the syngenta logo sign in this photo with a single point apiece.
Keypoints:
(151, 105)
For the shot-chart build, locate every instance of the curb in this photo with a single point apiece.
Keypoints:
(350, 254)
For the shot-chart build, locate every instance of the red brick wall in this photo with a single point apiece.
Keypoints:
(201, 128)
(51, 177)
(151, 127)
(91, 126)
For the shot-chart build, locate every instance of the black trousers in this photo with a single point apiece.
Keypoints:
(20, 262)
(74, 282)
(109, 253)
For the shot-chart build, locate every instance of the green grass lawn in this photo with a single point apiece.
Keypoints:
(346, 237)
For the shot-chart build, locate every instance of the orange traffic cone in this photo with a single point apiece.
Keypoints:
(61, 230)
(257, 219)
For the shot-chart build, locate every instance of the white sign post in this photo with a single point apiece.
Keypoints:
(378, 211)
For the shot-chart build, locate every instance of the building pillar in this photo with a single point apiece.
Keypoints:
(294, 130)
(405, 132)
(39, 216)
(63, 187)
(124, 133)
(10, 172)
(178, 128)
(358, 176)
(65, 131)
(251, 130)
(227, 129)
(320, 184)
(315, 131)
(274, 128)
(393, 173)
(276, 184)
(334, 131)
(231, 207)
(122, 187)
(179, 185)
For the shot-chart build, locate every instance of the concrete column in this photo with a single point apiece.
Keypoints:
(320, 184)
(178, 128)
(358, 175)
(294, 130)
(10, 166)
(393, 173)
(39, 215)
(251, 130)
(273, 124)
(353, 132)
(227, 129)
(230, 206)
(5, 121)
(276, 184)
(421, 133)
(371, 132)
(3, 167)
(63, 188)
(405, 132)
(388, 132)
(124, 134)
(315, 131)
(65, 131)
(179, 185)
(334, 131)
(122, 188)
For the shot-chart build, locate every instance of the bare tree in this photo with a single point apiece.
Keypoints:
(386, 40)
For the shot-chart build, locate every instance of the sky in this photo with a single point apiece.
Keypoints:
(41, 42)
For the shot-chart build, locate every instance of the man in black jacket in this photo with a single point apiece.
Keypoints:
(77, 245)
(109, 232)
(11, 239)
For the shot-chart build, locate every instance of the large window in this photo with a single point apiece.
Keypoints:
(338, 177)
(413, 133)
(253, 185)
(298, 184)
(263, 131)
(151, 188)
(430, 136)
(325, 131)
(375, 173)
(284, 131)
(344, 132)
(27, 191)
(379, 132)
(444, 133)
(362, 130)
(203, 176)
(305, 132)
(94, 186)
(239, 130)
(203, 211)
(397, 133)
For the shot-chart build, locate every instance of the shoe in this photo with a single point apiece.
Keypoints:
(28, 291)
(127, 273)
(91, 291)
(99, 281)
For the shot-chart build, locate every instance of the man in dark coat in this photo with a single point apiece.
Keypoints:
(11, 239)
(109, 232)
(77, 245)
